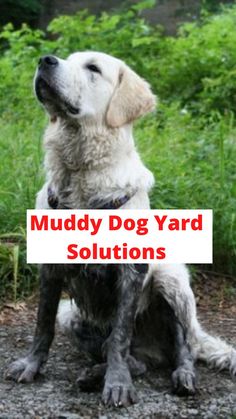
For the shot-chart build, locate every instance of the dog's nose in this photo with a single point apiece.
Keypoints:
(48, 61)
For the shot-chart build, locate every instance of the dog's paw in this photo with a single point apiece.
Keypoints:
(92, 378)
(118, 389)
(119, 394)
(184, 382)
(24, 370)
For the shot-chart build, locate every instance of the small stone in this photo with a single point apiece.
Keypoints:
(213, 407)
(209, 415)
(193, 412)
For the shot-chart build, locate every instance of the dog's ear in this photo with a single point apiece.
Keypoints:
(131, 99)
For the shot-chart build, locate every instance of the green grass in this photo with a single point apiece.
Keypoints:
(20, 171)
(20, 177)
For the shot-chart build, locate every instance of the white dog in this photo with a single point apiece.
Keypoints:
(91, 162)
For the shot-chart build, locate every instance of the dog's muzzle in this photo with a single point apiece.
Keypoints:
(47, 89)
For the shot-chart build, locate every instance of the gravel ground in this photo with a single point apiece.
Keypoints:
(54, 395)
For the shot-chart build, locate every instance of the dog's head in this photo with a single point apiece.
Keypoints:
(92, 85)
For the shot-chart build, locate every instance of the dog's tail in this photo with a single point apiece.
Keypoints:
(212, 350)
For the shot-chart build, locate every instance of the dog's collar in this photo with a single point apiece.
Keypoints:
(52, 198)
(113, 204)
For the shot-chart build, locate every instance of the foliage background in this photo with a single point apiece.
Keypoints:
(189, 142)
(18, 11)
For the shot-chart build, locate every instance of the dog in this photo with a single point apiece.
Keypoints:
(123, 315)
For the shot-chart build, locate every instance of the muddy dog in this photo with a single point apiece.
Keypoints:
(120, 312)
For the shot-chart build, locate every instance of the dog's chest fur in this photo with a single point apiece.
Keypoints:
(91, 163)
(77, 160)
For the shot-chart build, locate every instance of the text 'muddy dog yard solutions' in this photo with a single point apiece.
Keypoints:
(102, 236)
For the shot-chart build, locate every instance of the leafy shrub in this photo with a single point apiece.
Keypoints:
(198, 66)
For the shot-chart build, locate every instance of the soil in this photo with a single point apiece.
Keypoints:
(55, 395)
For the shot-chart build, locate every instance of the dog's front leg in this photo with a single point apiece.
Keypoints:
(118, 389)
(25, 369)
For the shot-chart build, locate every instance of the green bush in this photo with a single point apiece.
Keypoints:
(198, 67)
(189, 143)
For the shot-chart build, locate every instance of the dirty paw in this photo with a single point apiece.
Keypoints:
(24, 370)
(119, 395)
(184, 382)
(119, 390)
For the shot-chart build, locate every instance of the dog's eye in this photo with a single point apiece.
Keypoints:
(94, 68)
